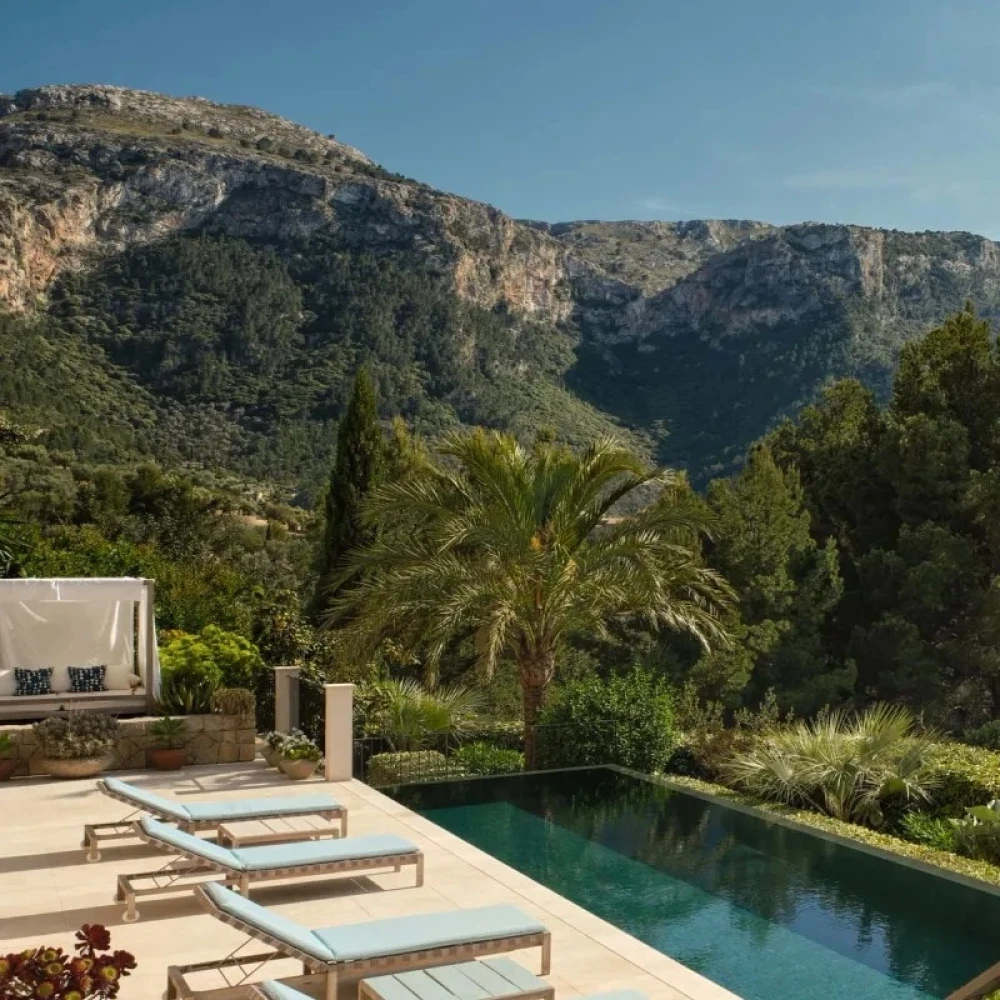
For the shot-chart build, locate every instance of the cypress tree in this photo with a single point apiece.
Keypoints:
(359, 466)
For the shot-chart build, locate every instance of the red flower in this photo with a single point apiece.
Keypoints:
(93, 937)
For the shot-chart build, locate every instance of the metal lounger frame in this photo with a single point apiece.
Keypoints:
(186, 878)
(124, 829)
(317, 972)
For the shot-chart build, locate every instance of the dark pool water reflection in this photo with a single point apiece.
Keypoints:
(768, 912)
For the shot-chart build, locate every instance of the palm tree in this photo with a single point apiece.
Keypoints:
(517, 547)
(411, 717)
(845, 765)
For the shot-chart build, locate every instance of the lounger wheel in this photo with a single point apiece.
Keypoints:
(130, 918)
(93, 856)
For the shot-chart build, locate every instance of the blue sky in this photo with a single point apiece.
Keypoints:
(882, 112)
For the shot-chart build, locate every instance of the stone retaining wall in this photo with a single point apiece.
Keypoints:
(211, 739)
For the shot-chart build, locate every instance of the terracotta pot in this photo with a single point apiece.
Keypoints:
(270, 756)
(298, 770)
(78, 767)
(167, 760)
(7, 769)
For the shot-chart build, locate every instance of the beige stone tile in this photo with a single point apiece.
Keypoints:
(47, 889)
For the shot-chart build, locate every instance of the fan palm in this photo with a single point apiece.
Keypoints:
(411, 717)
(516, 546)
(844, 765)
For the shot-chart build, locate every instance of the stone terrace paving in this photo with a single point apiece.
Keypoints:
(47, 890)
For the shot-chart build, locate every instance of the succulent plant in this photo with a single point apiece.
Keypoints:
(169, 733)
(77, 735)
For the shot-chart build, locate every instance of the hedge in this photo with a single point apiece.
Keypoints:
(967, 776)
(627, 719)
(982, 870)
(505, 735)
(487, 759)
(409, 767)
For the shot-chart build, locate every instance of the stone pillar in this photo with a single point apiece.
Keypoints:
(339, 731)
(286, 699)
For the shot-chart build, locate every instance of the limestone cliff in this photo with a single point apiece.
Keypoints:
(97, 169)
(696, 336)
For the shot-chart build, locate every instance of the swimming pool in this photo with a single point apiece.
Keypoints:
(769, 912)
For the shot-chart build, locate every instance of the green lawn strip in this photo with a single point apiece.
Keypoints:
(982, 871)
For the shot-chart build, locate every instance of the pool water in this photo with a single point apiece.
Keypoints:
(768, 912)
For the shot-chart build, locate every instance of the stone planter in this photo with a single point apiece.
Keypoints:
(7, 769)
(78, 767)
(298, 770)
(270, 756)
(164, 759)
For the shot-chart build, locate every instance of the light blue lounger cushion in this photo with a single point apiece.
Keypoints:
(267, 921)
(271, 856)
(289, 805)
(279, 991)
(316, 852)
(210, 812)
(154, 803)
(402, 935)
(375, 938)
(189, 843)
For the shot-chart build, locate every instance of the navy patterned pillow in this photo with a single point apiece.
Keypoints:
(32, 681)
(84, 679)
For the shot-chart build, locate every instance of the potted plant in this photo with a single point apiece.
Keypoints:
(271, 751)
(7, 764)
(169, 753)
(300, 757)
(76, 745)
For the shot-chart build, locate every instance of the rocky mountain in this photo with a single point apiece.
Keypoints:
(199, 280)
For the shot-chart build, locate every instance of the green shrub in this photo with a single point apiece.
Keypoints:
(932, 831)
(484, 758)
(503, 735)
(977, 834)
(986, 735)
(232, 701)
(965, 776)
(416, 765)
(213, 657)
(626, 720)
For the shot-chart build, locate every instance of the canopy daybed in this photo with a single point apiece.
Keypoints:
(86, 622)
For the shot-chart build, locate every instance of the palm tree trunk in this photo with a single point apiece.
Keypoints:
(536, 672)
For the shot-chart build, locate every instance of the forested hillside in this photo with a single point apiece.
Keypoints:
(197, 283)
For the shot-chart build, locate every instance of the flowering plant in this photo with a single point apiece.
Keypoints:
(274, 739)
(94, 973)
(298, 746)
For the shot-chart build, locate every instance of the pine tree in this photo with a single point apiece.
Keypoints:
(360, 465)
(788, 585)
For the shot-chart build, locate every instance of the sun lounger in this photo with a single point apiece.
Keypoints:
(240, 866)
(444, 987)
(352, 951)
(213, 815)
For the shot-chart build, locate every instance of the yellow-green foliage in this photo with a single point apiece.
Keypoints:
(967, 777)
(402, 768)
(968, 867)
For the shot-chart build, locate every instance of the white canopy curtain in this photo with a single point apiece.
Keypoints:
(82, 622)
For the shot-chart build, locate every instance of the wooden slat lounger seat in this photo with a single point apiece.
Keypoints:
(212, 815)
(352, 951)
(239, 866)
(271, 989)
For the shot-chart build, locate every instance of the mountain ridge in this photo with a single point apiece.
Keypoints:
(690, 338)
